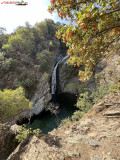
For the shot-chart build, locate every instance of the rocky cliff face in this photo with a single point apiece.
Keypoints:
(106, 71)
(42, 96)
(96, 136)
(7, 141)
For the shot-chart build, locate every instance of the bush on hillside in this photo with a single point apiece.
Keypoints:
(23, 133)
(86, 101)
(12, 102)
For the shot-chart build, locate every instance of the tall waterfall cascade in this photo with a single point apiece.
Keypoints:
(54, 79)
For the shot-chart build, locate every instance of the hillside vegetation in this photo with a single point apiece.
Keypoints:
(26, 53)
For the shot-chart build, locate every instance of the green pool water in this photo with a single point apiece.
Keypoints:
(47, 121)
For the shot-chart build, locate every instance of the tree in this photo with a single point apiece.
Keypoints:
(20, 43)
(5, 63)
(44, 58)
(42, 30)
(2, 30)
(12, 102)
(94, 26)
(3, 40)
(51, 27)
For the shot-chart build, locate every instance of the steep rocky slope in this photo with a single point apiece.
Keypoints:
(95, 137)
(7, 141)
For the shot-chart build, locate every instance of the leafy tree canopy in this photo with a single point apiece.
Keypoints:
(26, 52)
(22, 42)
(13, 102)
(94, 26)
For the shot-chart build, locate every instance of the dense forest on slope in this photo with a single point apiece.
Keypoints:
(27, 53)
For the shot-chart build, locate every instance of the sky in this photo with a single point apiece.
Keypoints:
(12, 16)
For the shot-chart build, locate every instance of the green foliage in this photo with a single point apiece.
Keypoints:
(115, 88)
(51, 46)
(3, 39)
(97, 77)
(24, 50)
(6, 63)
(37, 132)
(27, 78)
(29, 82)
(23, 133)
(77, 88)
(94, 26)
(101, 92)
(22, 42)
(77, 115)
(44, 58)
(65, 122)
(51, 27)
(13, 102)
(83, 102)
(44, 54)
(26, 59)
(44, 66)
(86, 101)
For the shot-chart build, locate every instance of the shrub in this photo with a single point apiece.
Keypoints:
(86, 101)
(26, 59)
(6, 63)
(13, 102)
(44, 57)
(26, 79)
(37, 132)
(101, 92)
(44, 66)
(45, 54)
(29, 82)
(115, 88)
(23, 133)
(77, 115)
(76, 87)
(51, 46)
(65, 122)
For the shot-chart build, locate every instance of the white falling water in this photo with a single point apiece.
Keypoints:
(54, 79)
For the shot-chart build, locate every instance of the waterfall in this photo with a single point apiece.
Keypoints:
(54, 79)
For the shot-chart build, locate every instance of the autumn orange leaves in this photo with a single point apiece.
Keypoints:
(93, 27)
(53, 2)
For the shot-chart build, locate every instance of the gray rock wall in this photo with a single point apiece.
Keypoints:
(41, 97)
